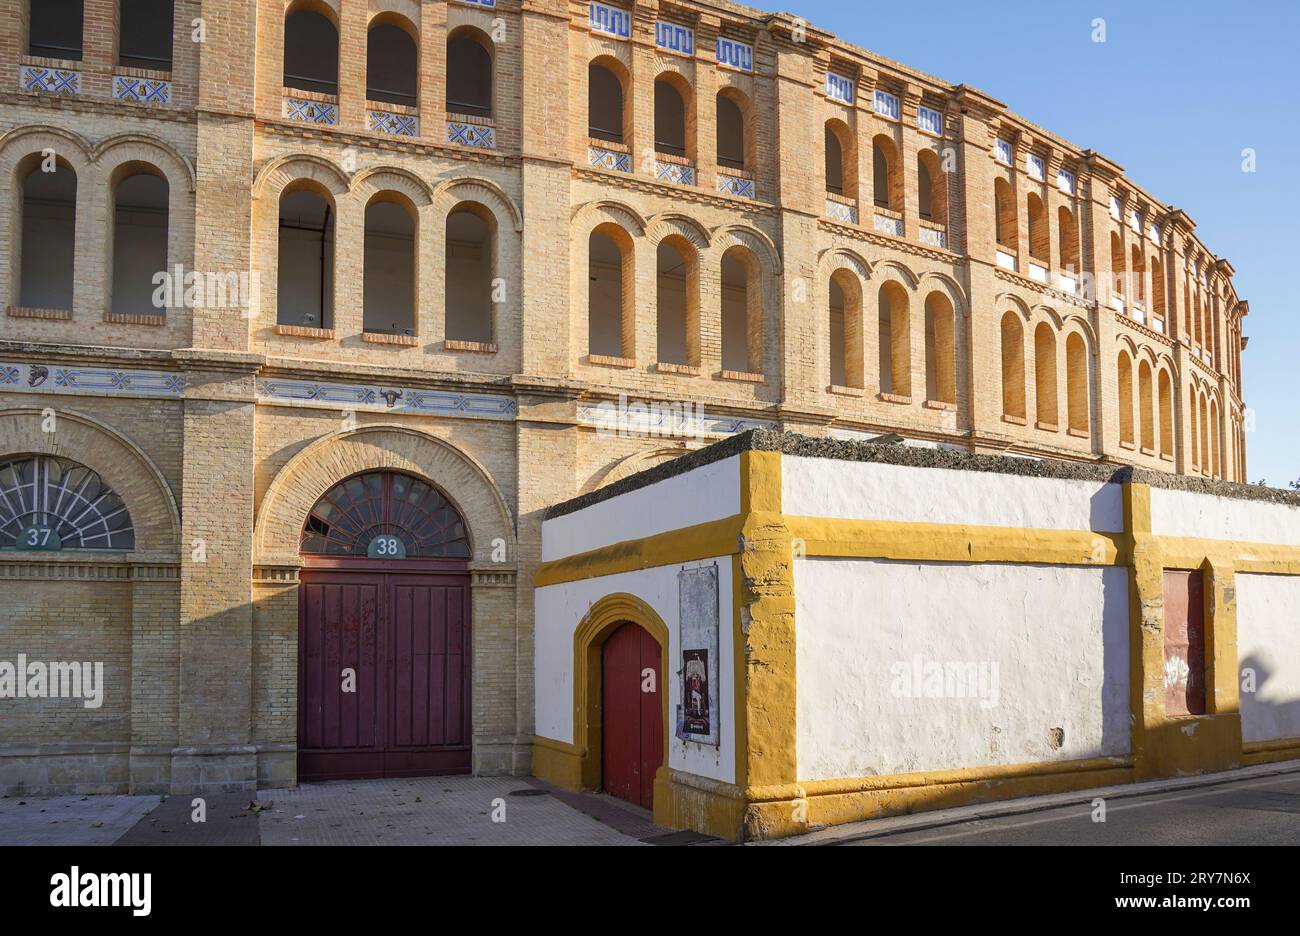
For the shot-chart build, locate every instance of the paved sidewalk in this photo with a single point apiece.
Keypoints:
(70, 820)
(898, 827)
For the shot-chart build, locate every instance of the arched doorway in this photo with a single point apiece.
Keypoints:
(632, 729)
(384, 644)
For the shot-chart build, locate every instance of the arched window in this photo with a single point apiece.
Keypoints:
(940, 349)
(1216, 455)
(846, 330)
(388, 306)
(311, 50)
(1139, 275)
(1048, 415)
(1124, 373)
(1117, 264)
(1040, 238)
(1158, 303)
(144, 34)
(54, 29)
(364, 514)
(1068, 235)
(605, 112)
(895, 340)
(610, 292)
(1076, 382)
(1004, 207)
(139, 239)
(733, 136)
(1195, 427)
(305, 266)
(1166, 396)
(670, 115)
(471, 252)
(1206, 466)
(742, 312)
(49, 504)
(392, 62)
(677, 294)
(49, 226)
(888, 186)
(932, 192)
(1146, 405)
(836, 165)
(469, 73)
(1013, 366)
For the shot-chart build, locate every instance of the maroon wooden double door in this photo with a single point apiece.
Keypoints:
(632, 726)
(383, 671)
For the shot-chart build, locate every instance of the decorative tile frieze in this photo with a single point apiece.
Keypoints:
(386, 397)
(315, 112)
(614, 161)
(676, 173)
(64, 82)
(382, 121)
(734, 54)
(142, 90)
(891, 226)
(933, 237)
(838, 211)
(673, 37)
(839, 87)
(468, 134)
(609, 20)
(737, 185)
(664, 420)
(93, 381)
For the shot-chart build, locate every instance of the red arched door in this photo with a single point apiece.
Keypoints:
(632, 721)
(384, 645)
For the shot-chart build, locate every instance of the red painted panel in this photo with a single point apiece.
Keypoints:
(410, 713)
(1184, 643)
(631, 715)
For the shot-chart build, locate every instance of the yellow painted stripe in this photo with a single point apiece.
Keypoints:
(966, 775)
(702, 541)
(939, 542)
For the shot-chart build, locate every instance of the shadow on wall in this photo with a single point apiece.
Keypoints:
(1263, 718)
(1116, 724)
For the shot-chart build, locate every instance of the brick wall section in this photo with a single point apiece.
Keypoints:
(213, 645)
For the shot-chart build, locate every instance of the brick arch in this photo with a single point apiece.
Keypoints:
(1009, 301)
(590, 216)
(485, 192)
(943, 283)
(318, 467)
(279, 173)
(629, 465)
(669, 223)
(370, 182)
(135, 147)
(119, 461)
(887, 270)
(843, 258)
(21, 142)
(755, 241)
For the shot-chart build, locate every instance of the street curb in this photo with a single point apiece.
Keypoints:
(882, 828)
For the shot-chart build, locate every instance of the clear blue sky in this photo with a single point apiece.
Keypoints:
(1174, 95)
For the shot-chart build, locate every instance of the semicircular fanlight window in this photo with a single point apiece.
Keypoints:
(355, 512)
(49, 503)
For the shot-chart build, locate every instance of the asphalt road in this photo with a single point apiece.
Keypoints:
(1261, 811)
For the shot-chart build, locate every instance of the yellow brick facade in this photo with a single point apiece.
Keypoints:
(198, 624)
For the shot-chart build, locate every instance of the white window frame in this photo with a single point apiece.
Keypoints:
(835, 81)
(1004, 151)
(892, 109)
(1036, 167)
(929, 120)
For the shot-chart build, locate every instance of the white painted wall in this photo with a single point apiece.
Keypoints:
(827, 487)
(560, 608)
(1268, 643)
(1182, 513)
(1057, 634)
(711, 492)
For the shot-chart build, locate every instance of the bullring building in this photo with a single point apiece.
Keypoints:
(313, 308)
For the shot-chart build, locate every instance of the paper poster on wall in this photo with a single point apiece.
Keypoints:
(697, 711)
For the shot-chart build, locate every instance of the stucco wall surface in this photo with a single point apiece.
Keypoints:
(560, 608)
(1268, 644)
(1050, 641)
(1187, 513)
(824, 487)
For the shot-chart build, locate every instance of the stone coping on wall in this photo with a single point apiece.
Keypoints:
(793, 443)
